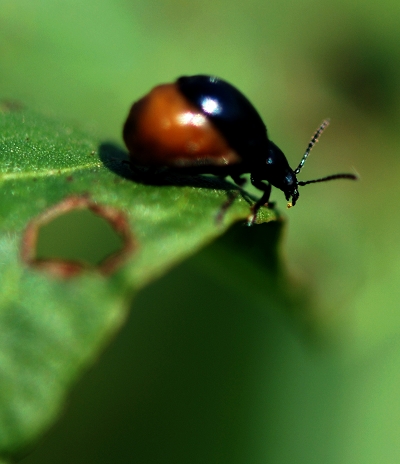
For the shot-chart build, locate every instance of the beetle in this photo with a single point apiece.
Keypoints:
(203, 125)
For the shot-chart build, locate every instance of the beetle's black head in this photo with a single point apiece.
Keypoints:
(279, 174)
(291, 189)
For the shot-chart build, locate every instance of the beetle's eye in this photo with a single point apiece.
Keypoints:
(289, 179)
(270, 160)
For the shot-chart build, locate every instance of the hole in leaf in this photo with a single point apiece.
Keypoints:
(79, 235)
(76, 235)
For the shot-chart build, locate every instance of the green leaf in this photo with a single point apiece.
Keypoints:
(52, 327)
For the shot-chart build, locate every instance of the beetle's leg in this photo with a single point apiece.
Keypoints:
(240, 181)
(266, 189)
(231, 198)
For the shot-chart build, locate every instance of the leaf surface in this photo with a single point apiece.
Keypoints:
(52, 327)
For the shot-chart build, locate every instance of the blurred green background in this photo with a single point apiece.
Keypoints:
(200, 373)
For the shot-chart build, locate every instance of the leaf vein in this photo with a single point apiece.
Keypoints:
(46, 173)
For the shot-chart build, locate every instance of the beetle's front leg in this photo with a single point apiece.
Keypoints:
(263, 201)
(231, 197)
(240, 181)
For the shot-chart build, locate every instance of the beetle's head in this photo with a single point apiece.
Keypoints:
(291, 188)
(279, 174)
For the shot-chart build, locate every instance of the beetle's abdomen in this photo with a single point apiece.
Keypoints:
(165, 129)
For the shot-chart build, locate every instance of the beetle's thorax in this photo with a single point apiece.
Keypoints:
(276, 169)
(277, 172)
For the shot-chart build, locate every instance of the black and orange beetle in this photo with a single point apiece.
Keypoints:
(204, 125)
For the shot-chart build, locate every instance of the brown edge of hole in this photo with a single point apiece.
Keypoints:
(66, 269)
(8, 105)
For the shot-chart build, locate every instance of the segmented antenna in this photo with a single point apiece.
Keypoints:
(313, 141)
(323, 179)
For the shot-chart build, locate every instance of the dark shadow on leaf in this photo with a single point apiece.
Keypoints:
(117, 160)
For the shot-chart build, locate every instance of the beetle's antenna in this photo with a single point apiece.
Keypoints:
(323, 179)
(313, 141)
